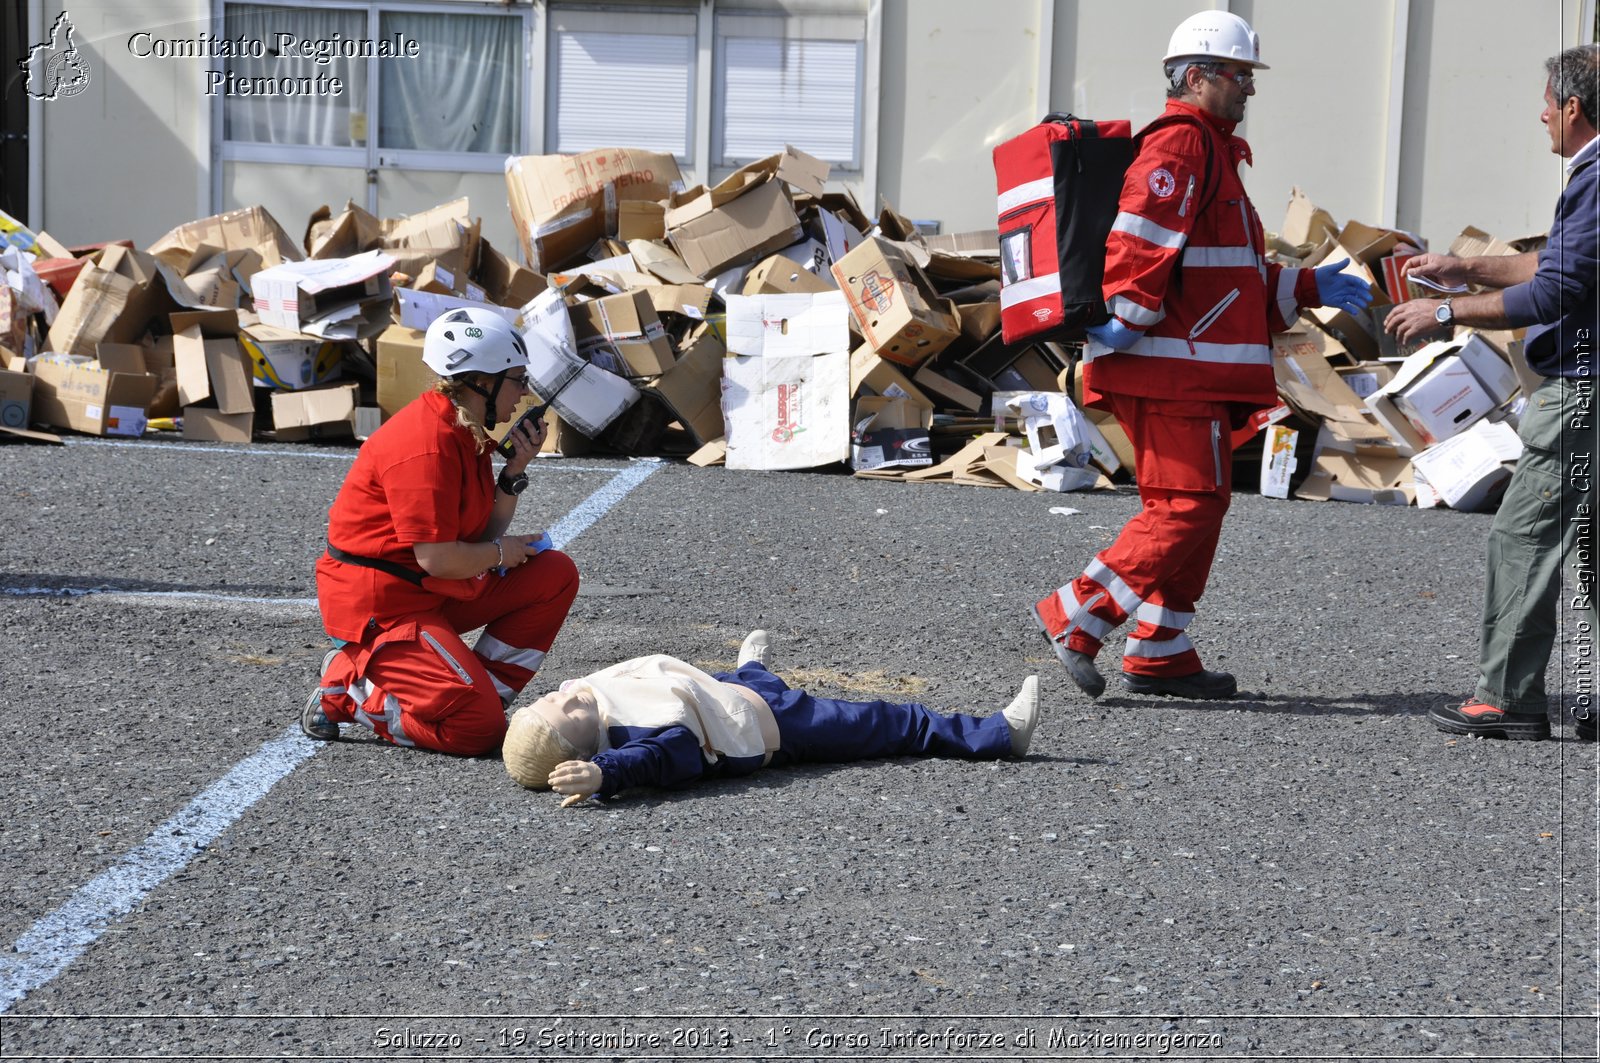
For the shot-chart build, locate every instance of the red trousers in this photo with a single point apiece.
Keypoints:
(1157, 569)
(415, 682)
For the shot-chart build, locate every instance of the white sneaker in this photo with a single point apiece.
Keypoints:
(754, 648)
(1022, 716)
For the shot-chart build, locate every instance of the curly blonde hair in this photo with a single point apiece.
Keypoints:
(455, 388)
(532, 749)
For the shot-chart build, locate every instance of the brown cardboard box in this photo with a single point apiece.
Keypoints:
(776, 275)
(157, 361)
(115, 299)
(870, 374)
(692, 388)
(894, 305)
(559, 203)
(757, 222)
(890, 432)
(622, 334)
(87, 398)
(249, 228)
(210, 364)
(13, 323)
(639, 219)
(686, 300)
(504, 281)
(203, 422)
(401, 374)
(16, 398)
(315, 413)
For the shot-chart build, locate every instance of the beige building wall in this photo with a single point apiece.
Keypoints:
(129, 157)
(1421, 113)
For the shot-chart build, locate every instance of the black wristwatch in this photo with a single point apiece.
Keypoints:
(512, 485)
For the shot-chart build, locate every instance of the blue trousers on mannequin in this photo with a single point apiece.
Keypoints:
(830, 731)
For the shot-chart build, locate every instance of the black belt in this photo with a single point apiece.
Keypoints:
(375, 562)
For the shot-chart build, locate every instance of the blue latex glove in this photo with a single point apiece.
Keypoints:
(1114, 334)
(1341, 290)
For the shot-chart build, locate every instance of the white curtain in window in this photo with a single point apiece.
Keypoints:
(787, 90)
(323, 121)
(463, 92)
(621, 90)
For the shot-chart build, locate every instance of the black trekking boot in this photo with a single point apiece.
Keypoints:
(1197, 686)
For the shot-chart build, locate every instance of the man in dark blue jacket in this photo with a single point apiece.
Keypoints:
(1547, 515)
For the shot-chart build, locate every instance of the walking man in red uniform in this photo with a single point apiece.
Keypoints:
(1184, 361)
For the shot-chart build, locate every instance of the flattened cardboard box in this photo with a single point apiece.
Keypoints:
(86, 398)
(202, 422)
(894, 305)
(336, 298)
(315, 413)
(745, 229)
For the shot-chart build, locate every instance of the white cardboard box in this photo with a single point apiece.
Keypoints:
(1466, 470)
(786, 391)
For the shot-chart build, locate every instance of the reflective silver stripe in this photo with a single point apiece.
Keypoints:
(360, 691)
(491, 648)
(1133, 313)
(391, 721)
(1161, 616)
(1079, 617)
(1119, 591)
(1287, 307)
(461, 672)
(1220, 257)
(1157, 648)
(1147, 230)
(391, 716)
(1220, 353)
(1032, 192)
(329, 692)
(1032, 288)
(1211, 315)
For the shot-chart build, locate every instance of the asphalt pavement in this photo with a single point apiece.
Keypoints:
(1310, 871)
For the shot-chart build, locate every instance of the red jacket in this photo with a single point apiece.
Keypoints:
(1186, 265)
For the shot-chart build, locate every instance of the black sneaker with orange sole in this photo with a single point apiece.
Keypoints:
(1482, 720)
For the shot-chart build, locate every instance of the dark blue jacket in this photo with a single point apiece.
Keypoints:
(1562, 302)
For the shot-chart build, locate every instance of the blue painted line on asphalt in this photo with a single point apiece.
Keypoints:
(51, 945)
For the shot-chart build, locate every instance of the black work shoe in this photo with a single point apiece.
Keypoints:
(1199, 686)
(1584, 727)
(313, 721)
(1482, 720)
(1080, 666)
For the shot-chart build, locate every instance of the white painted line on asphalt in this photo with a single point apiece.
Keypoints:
(49, 946)
(112, 592)
(544, 464)
(53, 942)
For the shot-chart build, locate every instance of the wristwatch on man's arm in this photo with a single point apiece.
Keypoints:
(512, 485)
(1444, 314)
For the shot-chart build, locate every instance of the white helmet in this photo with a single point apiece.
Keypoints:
(1216, 36)
(470, 340)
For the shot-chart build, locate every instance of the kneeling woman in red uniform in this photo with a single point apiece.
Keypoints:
(419, 553)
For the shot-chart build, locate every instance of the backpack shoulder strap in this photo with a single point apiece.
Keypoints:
(1211, 183)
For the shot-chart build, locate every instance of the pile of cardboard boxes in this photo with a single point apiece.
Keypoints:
(764, 323)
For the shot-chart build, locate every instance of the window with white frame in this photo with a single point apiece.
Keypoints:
(789, 72)
(621, 79)
(462, 92)
(788, 80)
